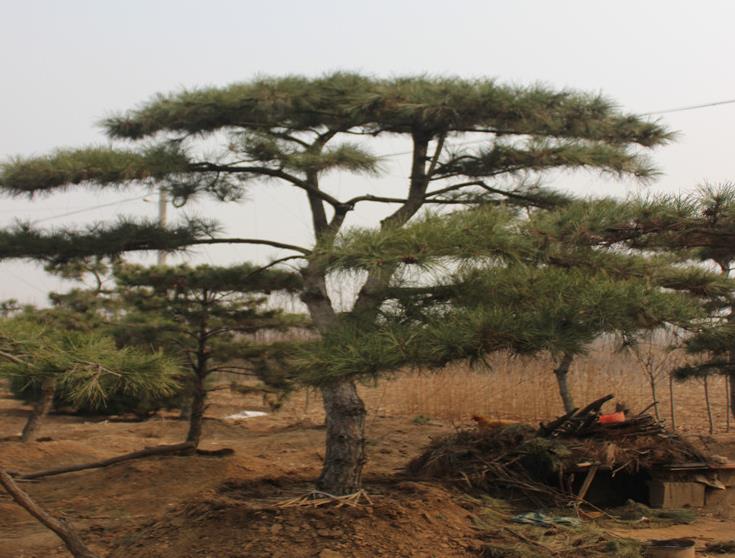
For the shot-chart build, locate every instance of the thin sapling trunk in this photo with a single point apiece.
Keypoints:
(672, 403)
(709, 405)
(562, 376)
(40, 410)
(196, 417)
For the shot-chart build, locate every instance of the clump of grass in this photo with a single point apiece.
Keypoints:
(505, 539)
(633, 512)
(722, 547)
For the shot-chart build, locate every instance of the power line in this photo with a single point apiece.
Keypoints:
(92, 208)
(690, 107)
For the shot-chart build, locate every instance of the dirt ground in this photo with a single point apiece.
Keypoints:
(231, 507)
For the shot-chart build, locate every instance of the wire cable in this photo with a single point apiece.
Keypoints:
(92, 208)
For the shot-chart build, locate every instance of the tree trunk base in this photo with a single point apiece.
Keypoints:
(345, 449)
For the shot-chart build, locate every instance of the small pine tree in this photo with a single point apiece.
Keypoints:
(209, 317)
(85, 367)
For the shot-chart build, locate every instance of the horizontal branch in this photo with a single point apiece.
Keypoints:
(273, 243)
(272, 173)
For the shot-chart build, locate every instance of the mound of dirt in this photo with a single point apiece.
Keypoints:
(404, 519)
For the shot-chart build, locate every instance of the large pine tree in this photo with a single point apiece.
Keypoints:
(470, 142)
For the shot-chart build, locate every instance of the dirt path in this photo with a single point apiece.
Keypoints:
(205, 506)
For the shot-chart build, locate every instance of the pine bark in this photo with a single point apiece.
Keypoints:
(345, 449)
(344, 455)
(41, 408)
(201, 371)
(562, 377)
(196, 418)
(345, 411)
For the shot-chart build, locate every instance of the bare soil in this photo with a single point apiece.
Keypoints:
(198, 506)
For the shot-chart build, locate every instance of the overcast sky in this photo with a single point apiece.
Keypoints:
(65, 64)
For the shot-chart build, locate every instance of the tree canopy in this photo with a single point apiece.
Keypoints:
(472, 142)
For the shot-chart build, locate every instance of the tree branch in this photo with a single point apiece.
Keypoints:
(71, 539)
(273, 243)
(265, 171)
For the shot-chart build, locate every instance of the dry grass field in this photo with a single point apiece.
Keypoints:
(525, 389)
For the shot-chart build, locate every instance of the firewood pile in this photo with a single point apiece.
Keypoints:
(520, 459)
(585, 423)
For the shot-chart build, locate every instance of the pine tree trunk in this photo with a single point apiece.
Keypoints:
(40, 410)
(345, 445)
(562, 376)
(196, 418)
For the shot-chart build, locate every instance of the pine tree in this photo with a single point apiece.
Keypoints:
(701, 226)
(519, 288)
(294, 130)
(208, 316)
(86, 367)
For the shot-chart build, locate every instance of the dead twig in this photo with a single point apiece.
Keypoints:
(318, 498)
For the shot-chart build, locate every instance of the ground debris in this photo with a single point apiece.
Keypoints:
(318, 498)
(518, 459)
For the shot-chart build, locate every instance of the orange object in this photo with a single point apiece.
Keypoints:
(612, 418)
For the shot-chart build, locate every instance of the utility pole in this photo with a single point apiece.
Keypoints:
(162, 219)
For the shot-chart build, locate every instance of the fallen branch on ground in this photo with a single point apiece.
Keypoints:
(65, 532)
(184, 447)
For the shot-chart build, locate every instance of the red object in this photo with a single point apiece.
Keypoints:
(612, 418)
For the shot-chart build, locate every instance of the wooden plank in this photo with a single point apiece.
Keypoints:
(588, 481)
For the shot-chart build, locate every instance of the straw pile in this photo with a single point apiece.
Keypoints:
(532, 463)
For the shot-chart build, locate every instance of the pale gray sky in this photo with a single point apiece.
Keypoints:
(67, 63)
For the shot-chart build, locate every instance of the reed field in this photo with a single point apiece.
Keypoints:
(525, 389)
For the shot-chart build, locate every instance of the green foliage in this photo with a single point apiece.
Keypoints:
(294, 129)
(102, 166)
(485, 232)
(65, 245)
(396, 105)
(207, 315)
(522, 309)
(85, 367)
